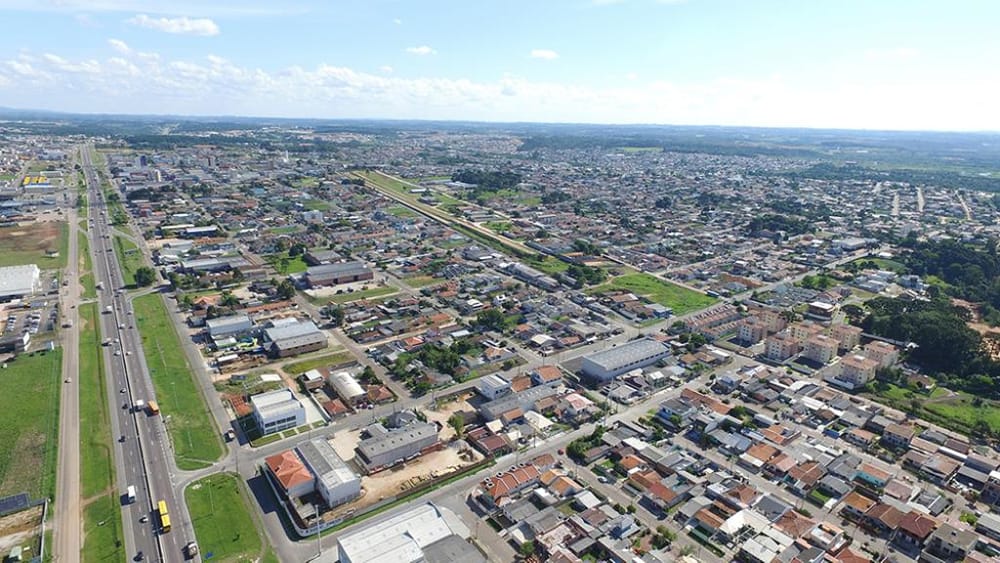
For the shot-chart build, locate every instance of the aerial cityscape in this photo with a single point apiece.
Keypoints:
(260, 308)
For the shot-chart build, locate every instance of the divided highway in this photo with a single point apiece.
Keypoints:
(142, 455)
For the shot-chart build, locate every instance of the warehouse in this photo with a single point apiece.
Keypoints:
(347, 387)
(609, 364)
(19, 281)
(290, 337)
(426, 533)
(235, 325)
(335, 481)
(338, 273)
(523, 400)
(395, 446)
(278, 410)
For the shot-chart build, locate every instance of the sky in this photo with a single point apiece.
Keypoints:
(858, 64)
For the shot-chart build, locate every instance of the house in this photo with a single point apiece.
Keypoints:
(676, 413)
(288, 470)
(914, 529)
(951, 543)
(883, 518)
(898, 436)
(803, 477)
(873, 476)
(510, 482)
(855, 506)
(546, 375)
(276, 411)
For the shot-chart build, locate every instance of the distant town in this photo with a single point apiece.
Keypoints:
(363, 342)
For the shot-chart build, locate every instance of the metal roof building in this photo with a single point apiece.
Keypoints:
(606, 365)
(395, 446)
(18, 281)
(409, 537)
(335, 481)
(346, 386)
(277, 410)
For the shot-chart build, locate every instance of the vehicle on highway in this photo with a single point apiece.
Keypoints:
(164, 516)
(121, 438)
(122, 390)
(144, 519)
(67, 380)
(138, 556)
(130, 494)
(140, 405)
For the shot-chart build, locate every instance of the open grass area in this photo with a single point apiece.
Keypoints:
(959, 413)
(883, 264)
(29, 419)
(45, 244)
(369, 293)
(193, 435)
(641, 149)
(416, 282)
(680, 299)
(223, 524)
(96, 462)
(86, 267)
(401, 211)
(284, 230)
(129, 258)
(548, 264)
(317, 205)
(963, 411)
(102, 530)
(285, 264)
(302, 366)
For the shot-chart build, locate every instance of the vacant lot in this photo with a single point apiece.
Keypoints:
(129, 258)
(285, 264)
(302, 366)
(680, 299)
(196, 442)
(34, 244)
(102, 533)
(221, 517)
(21, 529)
(29, 419)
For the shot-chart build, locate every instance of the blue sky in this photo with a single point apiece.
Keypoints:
(816, 63)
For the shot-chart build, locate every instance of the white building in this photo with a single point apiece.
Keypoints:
(407, 537)
(605, 366)
(19, 281)
(335, 481)
(278, 410)
(492, 387)
(228, 326)
(346, 386)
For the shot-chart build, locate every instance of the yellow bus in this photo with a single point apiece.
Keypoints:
(154, 409)
(164, 517)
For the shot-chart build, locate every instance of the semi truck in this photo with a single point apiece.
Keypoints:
(130, 494)
(139, 405)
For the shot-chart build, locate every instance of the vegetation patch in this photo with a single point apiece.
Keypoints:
(45, 244)
(194, 437)
(29, 419)
(680, 299)
(102, 529)
(300, 367)
(129, 258)
(223, 524)
(97, 468)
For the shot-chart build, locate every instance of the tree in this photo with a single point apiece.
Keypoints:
(490, 319)
(527, 548)
(457, 422)
(336, 314)
(286, 290)
(144, 276)
(229, 300)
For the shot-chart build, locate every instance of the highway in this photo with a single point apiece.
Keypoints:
(142, 452)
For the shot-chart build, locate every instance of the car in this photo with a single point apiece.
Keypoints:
(562, 451)
(144, 518)
(121, 438)
(603, 479)
(122, 390)
(67, 380)
(139, 556)
(118, 352)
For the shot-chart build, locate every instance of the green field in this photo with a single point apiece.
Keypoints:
(641, 149)
(680, 299)
(416, 282)
(29, 417)
(129, 258)
(549, 265)
(883, 264)
(223, 524)
(401, 211)
(86, 267)
(96, 462)
(192, 433)
(32, 244)
(317, 205)
(370, 293)
(296, 368)
(97, 469)
(959, 413)
(285, 264)
(284, 230)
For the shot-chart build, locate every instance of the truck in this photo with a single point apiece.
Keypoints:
(108, 310)
(154, 409)
(130, 494)
(100, 286)
(192, 549)
(139, 405)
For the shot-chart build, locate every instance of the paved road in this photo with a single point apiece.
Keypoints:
(142, 453)
(68, 529)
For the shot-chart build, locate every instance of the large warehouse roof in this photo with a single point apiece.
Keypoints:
(402, 538)
(627, 354)
(18, 280)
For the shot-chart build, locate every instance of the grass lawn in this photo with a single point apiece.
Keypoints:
(284, 230)
(641, 149)
(97, 467)
(86, 268)
(32, 245)
(401, 211)
(548, 264)
(416, 282)
(192, 433)
(223, 524)
(370, 293)
(317, 205)
(294, 265)
(129, 258)
(498, 226)
(102, 521)
(29, 417)
(296, 368)
(885, 264)
(680, 299)
(962, 411)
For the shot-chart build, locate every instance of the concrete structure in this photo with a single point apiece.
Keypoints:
(492, 387)
(337, 273)
(413, 536)
(335, 481)
(821, 348)
(882, 352)
(781, 346)
(608, 364)
(228, 326)
(385, 450)
(346, 386)
(293, 338)
(19, 281)
(277, 410)
(291, 473)
(847, 335)
(856, 371)
(523, 401)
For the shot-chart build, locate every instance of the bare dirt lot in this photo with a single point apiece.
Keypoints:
(21, 528)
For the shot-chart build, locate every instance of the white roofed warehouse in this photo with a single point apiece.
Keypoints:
(335, 481)
(19, 281)
(278, 410)
(426, 533)
(347, 387)
(609, 364)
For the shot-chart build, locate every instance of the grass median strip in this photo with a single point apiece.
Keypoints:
(193, 436)
(86, 267)
(223, 524)
(129, 258)
(102, 530)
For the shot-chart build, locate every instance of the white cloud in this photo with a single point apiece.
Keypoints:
(631, 76)
(386, 69)
(180, 25)
(120, 46)
(397, 21)
(892, 55)
(250, 8)
(421, 50)
(545, 54)
(148, 83)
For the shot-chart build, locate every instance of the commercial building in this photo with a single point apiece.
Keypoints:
(234, 325)
(338, 273)
(277, 410)
(522, 401)
(346, 386)
(426, 533)
(608, 364)
(291, 473)
(292, 337)
(19, 281)
(395, 446)
(493, 387)
(334, 480)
